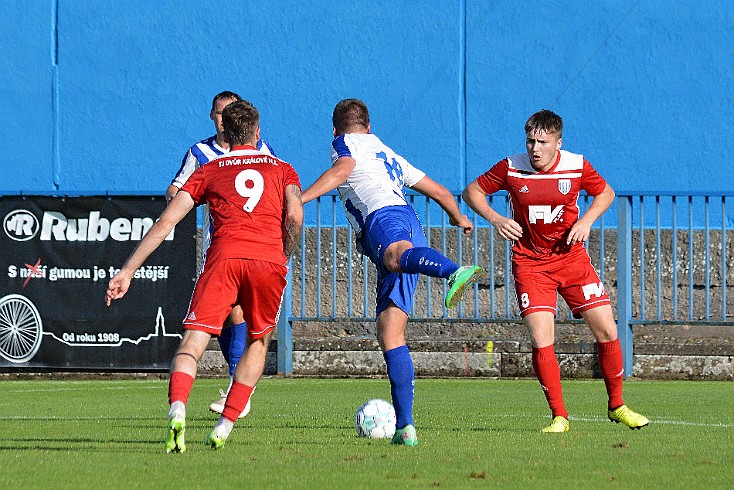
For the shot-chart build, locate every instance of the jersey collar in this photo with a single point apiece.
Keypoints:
(555, 164)
(243, 147)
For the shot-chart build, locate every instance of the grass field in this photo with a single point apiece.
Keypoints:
(300, 434)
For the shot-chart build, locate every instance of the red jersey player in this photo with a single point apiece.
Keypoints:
(549, 258)
(255, 202)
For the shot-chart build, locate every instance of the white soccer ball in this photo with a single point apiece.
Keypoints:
(375, 419)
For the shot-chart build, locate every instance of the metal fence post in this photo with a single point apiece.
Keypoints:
(285, 338)
(624, 279)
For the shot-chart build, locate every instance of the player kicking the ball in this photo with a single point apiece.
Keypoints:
(255, 200)
(549, 258)
(370, 178)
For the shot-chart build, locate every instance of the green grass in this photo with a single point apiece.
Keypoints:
(300, 434)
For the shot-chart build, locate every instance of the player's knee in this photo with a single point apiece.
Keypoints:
(393, 253)
(236, 317)
(392, 262)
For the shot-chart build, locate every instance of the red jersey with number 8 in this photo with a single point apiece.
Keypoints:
(544, 204)
(245, 191)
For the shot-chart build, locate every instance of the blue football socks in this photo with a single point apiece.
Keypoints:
(236, 346)
(426, 261)
(225, 339)
(402, 383)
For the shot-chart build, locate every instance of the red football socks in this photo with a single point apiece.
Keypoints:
(548, 372)
(611, 366)
(179, 387)
(239, 395)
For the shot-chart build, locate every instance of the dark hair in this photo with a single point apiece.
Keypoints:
(240, 120)
(349, 113)
(546, 121)
(224, 95)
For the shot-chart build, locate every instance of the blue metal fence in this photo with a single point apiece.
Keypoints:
(660, 273)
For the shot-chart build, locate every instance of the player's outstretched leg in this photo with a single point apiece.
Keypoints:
(631, 419)
(430, 262)
(559, 424)
(461, 280)
(175, 442)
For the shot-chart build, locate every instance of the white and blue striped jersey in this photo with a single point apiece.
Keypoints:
(200, 154)
(377, 179)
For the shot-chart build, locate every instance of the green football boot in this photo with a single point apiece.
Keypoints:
(175, 442)
(631, 419)
(558, 424)
(214, 440)
(461, 280)
(405, 436)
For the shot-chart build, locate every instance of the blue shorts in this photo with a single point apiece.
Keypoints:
(381, 228)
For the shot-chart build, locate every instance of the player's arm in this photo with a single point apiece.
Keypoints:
(293, 221)
(580, 230)
(189, 164)
(175, 212)
(475, 197)
(171, 192)
(430, 188)
(331, 179)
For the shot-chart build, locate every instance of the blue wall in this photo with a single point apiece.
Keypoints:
(106, 95)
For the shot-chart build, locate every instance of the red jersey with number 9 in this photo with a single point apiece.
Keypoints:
(245, 191)
(544, 204)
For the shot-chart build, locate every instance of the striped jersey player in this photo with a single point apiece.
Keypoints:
(377, 179)
(549, 258)
(370, 178)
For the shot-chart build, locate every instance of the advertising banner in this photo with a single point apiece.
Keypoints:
(57, 255)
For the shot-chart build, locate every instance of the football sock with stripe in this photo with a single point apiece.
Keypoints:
(427, 261)
(401, 373)
(611, 366)
(548, 372)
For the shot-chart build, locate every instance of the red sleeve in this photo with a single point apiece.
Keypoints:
(591, 182)
(494, 179)
(195, 186)
(290, 177)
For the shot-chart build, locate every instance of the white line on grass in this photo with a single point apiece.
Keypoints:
(84, 388)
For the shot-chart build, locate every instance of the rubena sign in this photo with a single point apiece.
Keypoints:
(57, 255)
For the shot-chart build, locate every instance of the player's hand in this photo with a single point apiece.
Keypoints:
(171, 193)
(578, 233)
(463, 223)
(117, 287)
(508, 229)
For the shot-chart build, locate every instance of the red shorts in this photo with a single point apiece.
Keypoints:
(537, 285)
(256, 285)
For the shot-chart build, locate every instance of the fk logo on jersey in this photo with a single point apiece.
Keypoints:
(545, 214)
(593, 289)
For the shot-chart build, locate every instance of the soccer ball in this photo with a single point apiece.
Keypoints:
(375, 419)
